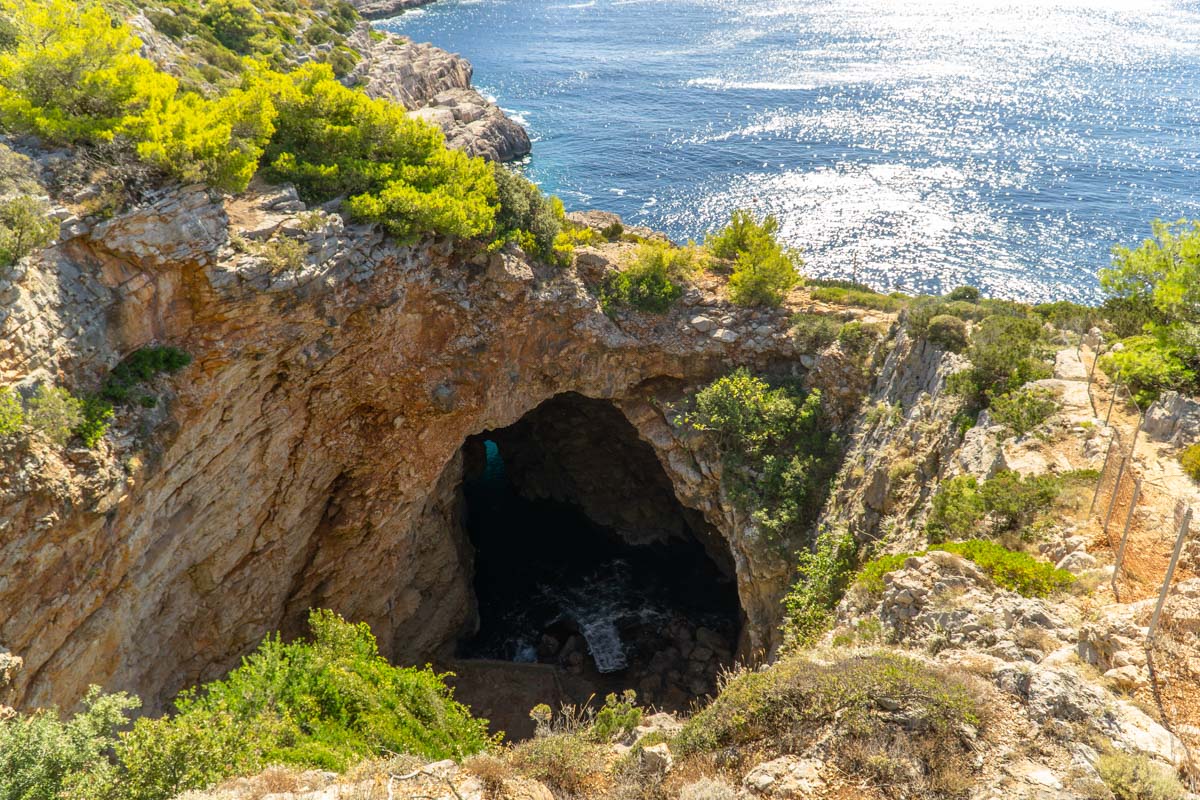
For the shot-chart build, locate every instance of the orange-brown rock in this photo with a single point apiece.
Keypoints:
(311, 453)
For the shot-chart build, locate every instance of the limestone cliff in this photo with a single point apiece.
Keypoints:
(311, 453)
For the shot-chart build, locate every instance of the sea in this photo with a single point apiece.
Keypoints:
(913, 146)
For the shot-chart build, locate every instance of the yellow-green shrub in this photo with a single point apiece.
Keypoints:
(652, 280)
(198, 140)
(333, 141)
(12, 415)
(763, 275)
(73, 74)
(1190, 460)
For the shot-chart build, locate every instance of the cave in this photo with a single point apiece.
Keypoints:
(590, 577)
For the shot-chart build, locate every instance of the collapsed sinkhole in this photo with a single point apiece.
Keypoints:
(585, 561)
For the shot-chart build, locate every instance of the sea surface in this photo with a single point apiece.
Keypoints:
(910, 145)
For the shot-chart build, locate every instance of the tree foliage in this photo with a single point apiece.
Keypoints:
(778, 453)
(25, 225)
(525, 215)
(74, 75)
(326, 703)
(764, 271)
(1154, 299)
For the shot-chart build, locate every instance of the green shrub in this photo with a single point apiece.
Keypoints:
(55, 413)
(789, 706)
(1150, 364)
(1135, 777)
(1159, 281)
(1010, 569)
(238, 25)
(97, 416)
(1012, 501)
(12, 415)
(764, 270)
(526, 215)
(617, 718)
(822, 576)
(331, 141)
(966, 294)
(142, 365)
(1189, 458)
(814, 332)
(25, 226)
(948, 333)
(763, 275)
(856, 338)
(613, 232)
(1022, 410)
(328, 704)
(1005, 353)
(741, 235)
(956, 510)
(652, 280)
(870, 577)
(778, 454)
(40, 755)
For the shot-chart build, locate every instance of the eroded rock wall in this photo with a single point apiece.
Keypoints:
(310, 454)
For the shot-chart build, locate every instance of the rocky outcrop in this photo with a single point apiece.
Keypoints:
(901, 444)
(382, 9)
(436, 86)
(311, 453)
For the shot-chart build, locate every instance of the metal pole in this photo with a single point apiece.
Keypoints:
(1116, 491)
(1100, 483)
(1137, 492)
(1162, 596)
(1137, 431)
(1112, 401)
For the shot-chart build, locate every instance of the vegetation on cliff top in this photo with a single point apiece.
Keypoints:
(71, 74)
(789, 706)
(327, 703)
(1011, 569)
(764, 270)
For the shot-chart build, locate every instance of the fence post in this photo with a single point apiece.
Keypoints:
(1166, 587)
(1111, 402)
(1138, 430)
(1116, 490)
(1137, 493)
(1104, 470)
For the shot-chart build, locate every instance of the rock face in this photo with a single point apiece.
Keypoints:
(382, 9)
(311, 454)
(436, 86)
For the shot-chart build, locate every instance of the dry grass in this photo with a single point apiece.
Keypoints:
(491, 771)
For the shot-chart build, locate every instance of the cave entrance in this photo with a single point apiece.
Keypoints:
(588, 565)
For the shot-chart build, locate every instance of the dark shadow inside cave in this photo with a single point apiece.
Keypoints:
(585, 561)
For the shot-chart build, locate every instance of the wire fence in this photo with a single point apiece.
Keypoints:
(1146, 562)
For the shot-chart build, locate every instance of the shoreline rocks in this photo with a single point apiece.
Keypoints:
(435, 86)
(383, 9)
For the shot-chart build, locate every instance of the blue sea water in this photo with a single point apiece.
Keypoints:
(912, 145)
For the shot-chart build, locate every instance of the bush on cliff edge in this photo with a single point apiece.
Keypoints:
(327, 703)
